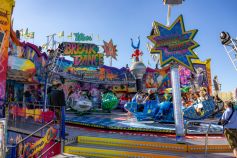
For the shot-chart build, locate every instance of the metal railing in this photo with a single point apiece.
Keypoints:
(33, 133)
(45, 121)
(206, 133)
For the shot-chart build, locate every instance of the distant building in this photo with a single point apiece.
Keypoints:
(226, 96)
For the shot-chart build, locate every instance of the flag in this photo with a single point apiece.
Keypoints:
(44, 46)
(61, 34)
(30, 35)
(21, 32)
(32, 55)
(70, 35)
(26, 32)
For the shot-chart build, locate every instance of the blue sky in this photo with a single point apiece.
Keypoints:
(125, 19)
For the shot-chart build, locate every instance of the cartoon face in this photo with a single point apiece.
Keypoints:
(199, 70)
(94, 92)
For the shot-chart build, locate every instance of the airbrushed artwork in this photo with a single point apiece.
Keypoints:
(92, 79)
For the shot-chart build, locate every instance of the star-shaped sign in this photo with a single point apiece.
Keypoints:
(174, 43)
(110, 49)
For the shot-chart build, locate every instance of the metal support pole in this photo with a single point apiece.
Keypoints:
(110, 60)
(62, 134)
(206, 139)
(139, 84)
(45, 91)
(178, 115)
(168, 15)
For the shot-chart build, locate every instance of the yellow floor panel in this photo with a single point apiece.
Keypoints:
(151, 145)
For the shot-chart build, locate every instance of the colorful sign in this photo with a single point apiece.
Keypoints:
(31, 150)
(21, 64)
(157, 78)
(82, 37)
(185, 76)
(84, 54)
(174, 43)
(37, 114)
(203, 68)
(36, 59)
(110, 49)
(200, 78)
(6, 8)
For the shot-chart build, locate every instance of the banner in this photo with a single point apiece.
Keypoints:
(34, 146)
(31, 150)
(6, 7)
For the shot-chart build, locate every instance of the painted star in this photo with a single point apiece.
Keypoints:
(110, 49)
(174, 44)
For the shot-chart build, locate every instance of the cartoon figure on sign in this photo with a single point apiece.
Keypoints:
(149, 81)
(20, 146)
(137, 53)
(159, 80)
(201, 77)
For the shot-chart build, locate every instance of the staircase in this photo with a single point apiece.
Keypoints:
(109, 147)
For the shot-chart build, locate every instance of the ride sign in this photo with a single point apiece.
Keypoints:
(174, 43)
(30, 150)
(84, 54)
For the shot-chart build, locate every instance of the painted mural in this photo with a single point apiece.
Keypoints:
(34, 146)
(6, 8)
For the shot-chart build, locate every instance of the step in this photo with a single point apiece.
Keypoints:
(151, 145)
(88, 150)
(91, 150)
(132, 144)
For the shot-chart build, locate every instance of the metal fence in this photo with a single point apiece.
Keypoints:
(34, 121)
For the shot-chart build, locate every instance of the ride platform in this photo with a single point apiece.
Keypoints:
(118, 120)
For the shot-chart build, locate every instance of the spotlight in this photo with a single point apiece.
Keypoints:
(172, 1)
(225, 38)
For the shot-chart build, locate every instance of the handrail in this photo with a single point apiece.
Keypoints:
(197, 121)
(48, 149)
(35, 132)
(207, 131)
(36, 104)
(206, 139)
